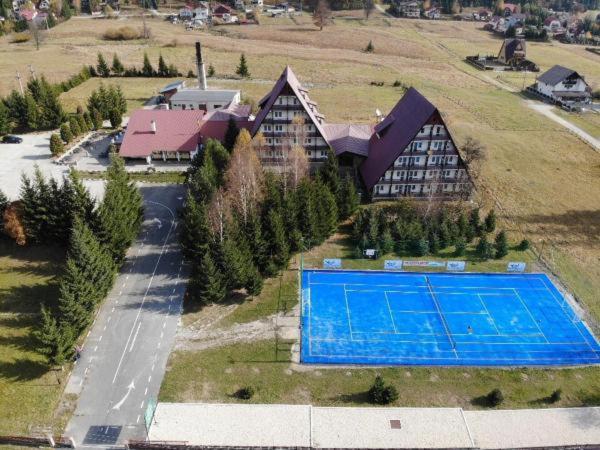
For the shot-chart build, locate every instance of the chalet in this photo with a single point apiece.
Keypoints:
(165, 135)
(288, 117)
(224, 13)
(410, 9)
(563, 86)
(203, 98)
(433, 13)
(512, 52)
(412, 154)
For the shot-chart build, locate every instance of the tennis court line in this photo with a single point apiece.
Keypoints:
(530, 315)
(348, 311)
(488, 313)
(471, 358)
(390, 310)
(462, 342)
(455, 288)
(452, 343)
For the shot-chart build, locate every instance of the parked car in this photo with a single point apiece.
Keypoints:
(10, 139)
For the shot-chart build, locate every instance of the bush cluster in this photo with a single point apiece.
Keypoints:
(381, 393)
(124, 33)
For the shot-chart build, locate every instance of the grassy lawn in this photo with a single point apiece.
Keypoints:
(27, 277)
(156, 177)
(214, 375)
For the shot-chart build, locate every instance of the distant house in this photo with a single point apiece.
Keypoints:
(171, 89)
(256, 3)
(202, 11)
(239, 4)
(204, 100)
(482, 14)
(27, 14)
(510, 9)
(433, 13)
(186, 13)
(224, 13)
(43, 5)
(563, 86)
(410, 9)
(513, 51)
(553, 25)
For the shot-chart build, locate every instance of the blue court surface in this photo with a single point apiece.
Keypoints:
(387, 318)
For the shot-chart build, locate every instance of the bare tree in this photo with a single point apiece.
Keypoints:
(473, 155)
(322, 15)
(36, 33)
(218, 213)
(244, 177)
(368, 7)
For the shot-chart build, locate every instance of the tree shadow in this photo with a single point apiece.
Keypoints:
(356, 398)
(482, 401)
(28, 298)
(585, 225)
(22, 370)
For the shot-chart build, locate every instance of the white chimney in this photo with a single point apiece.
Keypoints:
(378, 115)
(153, 126)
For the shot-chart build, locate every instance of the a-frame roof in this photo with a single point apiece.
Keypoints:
(394, 133)
(556, 74)
(287, 78)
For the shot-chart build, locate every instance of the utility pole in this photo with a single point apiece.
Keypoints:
(32, 71)
(20, 82)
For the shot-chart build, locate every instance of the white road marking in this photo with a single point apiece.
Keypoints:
(161, 334)
(145, 295)
(129, 389)
(135, 336)
(86, 370)
(149, 378)
(164, 324)
(152, 370)
(120, 292)
(138, 419)
(99, 340)
(142, 405)
(146, 391)
(95, 348)
(113, 309)
(158, 346)
(127, 277)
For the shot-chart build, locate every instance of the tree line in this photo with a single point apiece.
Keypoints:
(117, 69)
(407, 229)
(241, 223)
(95, 236)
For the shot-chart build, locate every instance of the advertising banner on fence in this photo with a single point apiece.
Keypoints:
(392, 264)
(424, 264)
(332, 263)
(456, 266)
(516, 267)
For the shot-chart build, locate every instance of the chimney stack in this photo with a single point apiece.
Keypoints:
(200, 66)
(153, 126)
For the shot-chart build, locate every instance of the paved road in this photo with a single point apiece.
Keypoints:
(126, 351)
(547, 110)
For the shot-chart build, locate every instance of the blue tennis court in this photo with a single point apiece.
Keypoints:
(388, 318)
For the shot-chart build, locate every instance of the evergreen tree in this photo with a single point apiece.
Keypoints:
(420, 247)
(96, 119)
(147, 69)
(490, 222)
(463, 227)
(326, 210)
(88, 121)
(275, 240)
(484, 248)
(32, 115)
(81, 203)
(121, 210)
(51, 113)
(102, 67)
(369, 48)
(66, 10)
(460, 248)
(5, 120)
(386, 242)
(254, 283)
(242, 68)
(206, 284)
(74, 126)
(82, 123)
(501, 245)
(348, 198)
(254, 236)
(56, 145)
(115, 117)
(434, 243)
(196, 230)
(3, 205)
(53, 341)
(117, 67)
(231, 134)
(163, 69)
(330, 175)
(211, 71)
(474, 222)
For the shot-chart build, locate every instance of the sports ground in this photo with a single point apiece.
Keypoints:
(447, 319)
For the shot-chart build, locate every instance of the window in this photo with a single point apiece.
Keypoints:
(269, 141)
(322, 153)
(277, 141)
(278, 114)
(278, 127)
(308, 141)
(217, 106)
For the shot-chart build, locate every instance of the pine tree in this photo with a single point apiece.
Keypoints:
(231, 134)
(460, 247)
(74, 126)
(115, 117)
(420, 247)
(490, 222)
(330, 175)
(56, 145)
(326, 207)
(474, 222)
(51, 113)
(5, 120)
(82, 123)
(3, 205)
(32, 115)
(348, 198)
(55, 341)
(195, 229)
(242, 68)
(206, 283)
(163, 69)
(147, 69)
(484, 249)
(501, 245)
(117, 67)
(276, 242)
(254, 284)
(386, 242)
(211, 71)
(369, 48)
(254, 236)
(102, 67)
(121, 210)
(88, 121)
(96, 119)
(307, 219)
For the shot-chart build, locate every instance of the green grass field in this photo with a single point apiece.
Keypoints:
(27, 277)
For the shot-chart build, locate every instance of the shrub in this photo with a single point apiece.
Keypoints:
(124, 33)
(461, 248)
(65, 133)
(115, 118)
(369, 48)
(501, 245)
(19, 38)
(245, 393)
(191, 74)
(495, 397)
(555, 396)
(524, 245)
(56, 145)
(485, 250)
(382, 394)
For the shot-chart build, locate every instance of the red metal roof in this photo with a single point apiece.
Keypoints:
(176, 130)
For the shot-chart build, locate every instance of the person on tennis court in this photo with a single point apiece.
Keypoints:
(470, 329)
